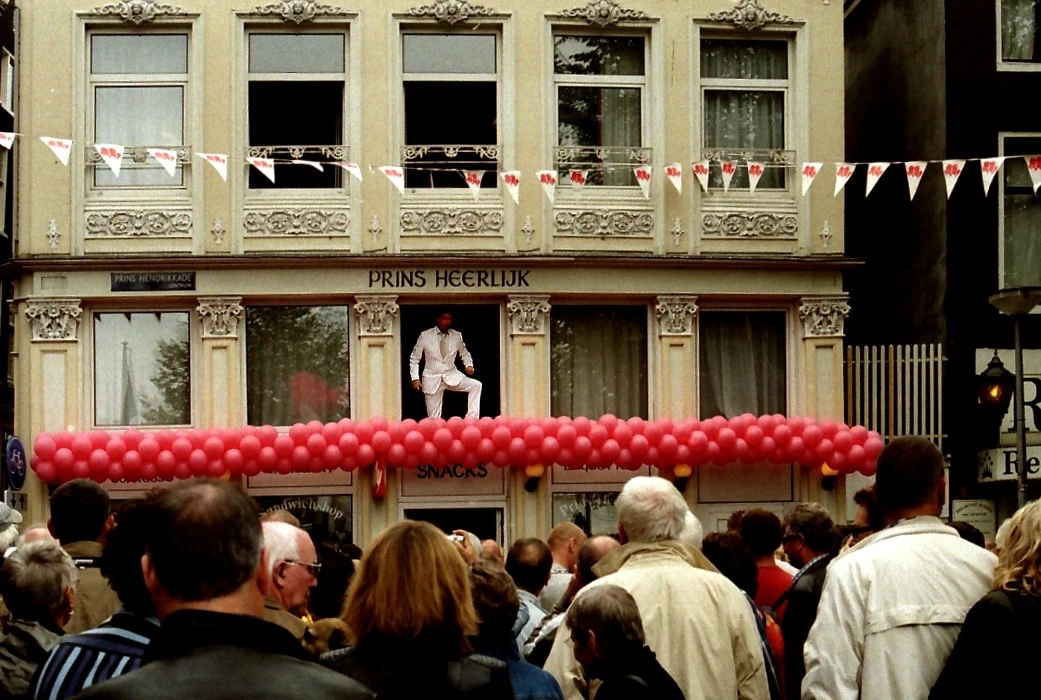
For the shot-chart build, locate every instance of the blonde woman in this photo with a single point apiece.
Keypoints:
(1009, 617)
(410, 612)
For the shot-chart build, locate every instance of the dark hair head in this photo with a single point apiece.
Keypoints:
(609, 612)
(969, 533)
(734, 521)
(528, 563)
(79, 509)
(207, 539)
(815, 525)
(121, 557)
(761, 530)
(328, 596)
(589, 555)
(495, 600)
(352, 550)
(867, 499)
(910, 474)
(728, 553)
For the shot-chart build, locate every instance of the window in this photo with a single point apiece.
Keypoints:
(1020, 20)
(296, 364)
(744, 92)
(599, 361)
(7, 80)
(1021, 216)
(593, 512)
(137, 85)
(297, 107)
(600, 83)
(451, 108)
(142, 369)
(328, 519)
(743, 363)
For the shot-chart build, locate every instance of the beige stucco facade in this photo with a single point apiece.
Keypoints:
(364, 245)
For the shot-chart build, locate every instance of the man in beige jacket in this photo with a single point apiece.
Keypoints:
(696, 621)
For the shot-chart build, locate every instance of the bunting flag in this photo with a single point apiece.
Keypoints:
(352, 168)
(874, 174)
(915, 170)
(165, 158)
(809, 172)
(952, 170)
(674, 172)
(396, 176)
(548, 180)
(61, 148)
(988, 169)
(1034, 168)
(727, 168)
(112, 154)
(701, 172)
(643, 179)
(578, 178)
(7, 139)
(219, 161)
(473, 181)
(511, 179)
(317, 166)
(843, 172)
(265, 165)
(755, 173)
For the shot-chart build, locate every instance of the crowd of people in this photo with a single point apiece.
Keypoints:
(191, 592)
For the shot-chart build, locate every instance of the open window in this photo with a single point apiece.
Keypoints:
(1020, 31)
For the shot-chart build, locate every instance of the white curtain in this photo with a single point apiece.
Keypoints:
(138, 116)
(599, 361)
(1022, 241)
(1019, 27)
(742, 363)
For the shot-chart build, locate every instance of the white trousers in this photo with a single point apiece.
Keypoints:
(471, 386)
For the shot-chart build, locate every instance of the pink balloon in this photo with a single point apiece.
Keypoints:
(63, 458)
(45, 446)
(653, 457)
(611, 449)
(471, 436)
(566, 434)
(132, 463)
(860, 434)
(582, 448)
(300, 458)
(82, 446)
(332, 432)
(767, 446)
(873, 447)
(766, 423)
(442, 439)
(217, 469)
(115, 473)
(284, 446)
(485, 450)
(298, 433)
(428, 453)
(609, 421)
(397, 433)
(47, 471)
(381, 441)
(251, 467)
(843, 440)
(267, 459)
(550, 426)
(697, 442)
(213, 447)
(812, 435)
(366, 455)
(637, 425)
(668, 445)
(284, 466)
(396, 455)
(566, 457)
(829, 429)
(582, 425)
(501, 436)
(598, 435)
(797, 425)
(181, 448)
(116, 448)
(856, 457)
(267, 435)
(595, 460)
(427, 426)
(99, 461)
(838, 462)
(414, 441)
(455, 425)
(470, 462)
(501, 459)
(250, 446)
(684, 430)
(796, 448)
(148, 472)
(80, 469)
(533, 436)
(726, 439)
(379, 423)
(456, 451)
(623, 434)
(654, 433)
(233, 461)
(332, 456)
(710, 429)
(753, 436)
(316, 444)
(63, 439)
(869, 469)
(518, 426)
(714, 454)
(166, 438)
(149, 449)
(638, 445)
(349, 444)
(683, 455)
(98, 439)
(197, 462)
(411, 462)
(165, 464)
(364, 431)
(782, 434)
(517, 449)
(550, 449)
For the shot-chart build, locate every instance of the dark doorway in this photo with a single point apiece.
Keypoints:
(486, 523)
(479, 324)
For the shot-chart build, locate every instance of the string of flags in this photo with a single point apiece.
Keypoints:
(914, 171)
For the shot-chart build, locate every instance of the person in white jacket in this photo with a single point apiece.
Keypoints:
(893, 605)
(439, 347)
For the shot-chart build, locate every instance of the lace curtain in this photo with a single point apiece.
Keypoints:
(1019, 28)
(742, 363)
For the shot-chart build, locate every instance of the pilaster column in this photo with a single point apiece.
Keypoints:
(54, 379)
(377, 393)
(527, 367)
(677, 386)
(221, 358)
(823, 319)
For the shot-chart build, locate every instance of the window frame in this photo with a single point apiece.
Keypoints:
(642, 82)
(1002, 137)
(785, 87)
(194, 366)
(1012, 66)
(142, 80)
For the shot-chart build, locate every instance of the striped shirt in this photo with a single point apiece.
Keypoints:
(80, 661)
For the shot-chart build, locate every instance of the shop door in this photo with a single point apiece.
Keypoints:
(486, 523)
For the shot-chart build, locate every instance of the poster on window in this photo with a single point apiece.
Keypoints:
(327, 519)
(593, 512)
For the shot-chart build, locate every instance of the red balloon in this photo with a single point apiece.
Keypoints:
(737, 424)
(654, 433)
(149, 449)
(132, 462)
(298, 433)
(766, 423)
(250, 446)
(796, 448)
(726, 439)
(782, 434)
(637, 425)
(332, 456)
(251, 467)
(668, 445)
(501, 436)
(63, 458)
(427, 426)
(838, 462)
(683, 455)
(501, 459)
(843, 440)
(623, 434)
(213, 447)
(471, 436)
(267, 459)
(99, 461)
(315, 444)
(455, 426)
(116, 448)
(873, 447)
(131, 437)
(684, 430)
(397, 433)
(611, 449)
(856, 457)
(197, 462)
(598, 435)
(626, 460)
(348, 444)
(582, 448)
(714, 454)
(566, 457)
(609, 421)
(638, 446)
(181, 448)
(531, 457)
(45, 446)
(411, 462)
(456, 451)
(233, 461)
(364, 431)
(869, 469)
(284, 446)
(166, 438)
(533, 436)
(582, 425)
(300, 458)
(753, 435)
(829, 429)
(518, 426)
(428, 453)
(381, 441)
(284, 466)
(812, 435)
(80, 469)
(366, 455)
(697, 442)
(860, 434)
(82, 446)
(517, 449)
(148, 472)
(710, 428)
(165, 464)
(442, 439)
(46, 471)
(63, 439)
(767, 447)
(396, 455)
(595, 460)
(550, 449)
(217, 469)
(653, 457)
(566, 434)
(379, 423)
(267, 435)
(797, 425)
(332, 432)
(98, 439)
(115, 472)
(470, 462)
(485, 450)
(414, 441)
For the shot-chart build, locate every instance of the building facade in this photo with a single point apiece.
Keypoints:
(955, 74)
(176, 298)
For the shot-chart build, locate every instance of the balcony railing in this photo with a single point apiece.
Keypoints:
(306, 152)
(138, 155)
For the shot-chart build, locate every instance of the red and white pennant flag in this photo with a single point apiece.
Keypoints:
(511, 180)
(989, 169)
(952, 170)
(396, 176)
(578, 178)
(915, 170)
(674, 172)
(7, 139)
(843, 172)
(165, 158)
(112, 154)
(219, 161)
(643, 179)
(352, 168)
(265, 165)
(755, 173)
(809, 172)
(874, 174)
(313, 164)
(1034, 168)
(701, 173)
(473, 181)
(548, 180)
(61, 148)
(727, 169)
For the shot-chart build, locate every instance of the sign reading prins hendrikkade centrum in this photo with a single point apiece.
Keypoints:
(449, 279)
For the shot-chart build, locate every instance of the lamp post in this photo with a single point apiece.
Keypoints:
(1017, 302)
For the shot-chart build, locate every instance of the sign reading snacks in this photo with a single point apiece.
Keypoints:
(153, 281)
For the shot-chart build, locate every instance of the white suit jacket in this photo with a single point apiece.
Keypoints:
(891, 610)
(436, 367)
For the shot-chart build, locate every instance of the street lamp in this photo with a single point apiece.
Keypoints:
(1017, 302)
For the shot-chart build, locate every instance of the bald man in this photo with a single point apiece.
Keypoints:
(491, 551)
(564, 541)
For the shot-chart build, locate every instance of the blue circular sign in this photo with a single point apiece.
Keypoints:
(15, 463)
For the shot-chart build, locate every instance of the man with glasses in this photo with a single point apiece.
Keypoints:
(294, 569)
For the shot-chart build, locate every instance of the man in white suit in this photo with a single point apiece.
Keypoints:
(439, 347)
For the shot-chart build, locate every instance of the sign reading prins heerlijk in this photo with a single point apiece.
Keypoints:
(449, 279)
(153, 281)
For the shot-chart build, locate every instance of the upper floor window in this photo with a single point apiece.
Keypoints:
(297, 107)
(451, 100)
(1020, 31)
(744, 101)
(138, 84)
(601, 83)
(1022, 216)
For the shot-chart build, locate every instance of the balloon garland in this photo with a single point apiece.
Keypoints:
(575, 443)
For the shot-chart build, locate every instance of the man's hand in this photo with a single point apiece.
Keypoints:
(415, 385)
(465, 547)
(470, 371)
